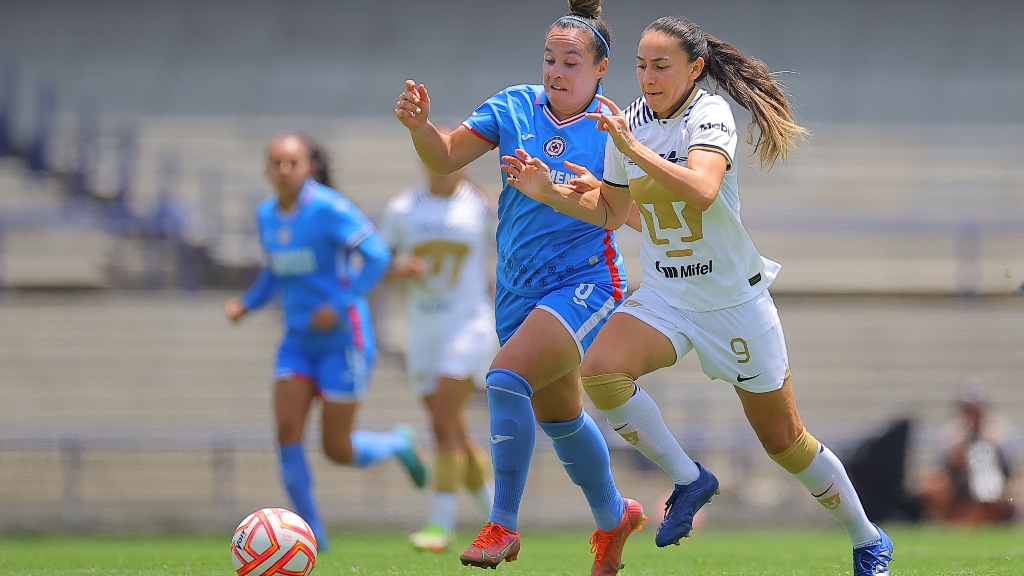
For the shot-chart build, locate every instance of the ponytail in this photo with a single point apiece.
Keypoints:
(747, 80)
(754, 87)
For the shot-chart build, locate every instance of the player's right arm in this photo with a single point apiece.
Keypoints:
(442, 153)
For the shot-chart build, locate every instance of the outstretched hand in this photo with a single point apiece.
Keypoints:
(528, 174)
(531, 176)
(585, 181)
(413, 105)
(615, 124)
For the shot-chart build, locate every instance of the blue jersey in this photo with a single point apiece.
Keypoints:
(308, 254)
(540, 249)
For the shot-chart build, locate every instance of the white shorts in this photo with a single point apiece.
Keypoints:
(443, 347)
(742, 344)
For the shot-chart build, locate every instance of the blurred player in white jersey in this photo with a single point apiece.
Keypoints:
(441, 234)
(670, 163)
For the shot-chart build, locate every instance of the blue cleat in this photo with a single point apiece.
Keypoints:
(410, 457)
(681, 506)
(873, 559)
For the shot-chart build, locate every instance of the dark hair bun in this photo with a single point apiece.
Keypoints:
(585, 8)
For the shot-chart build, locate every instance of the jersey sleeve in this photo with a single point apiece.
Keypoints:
(484, 121)
(615, 166)
(346, 224)
(712, 127)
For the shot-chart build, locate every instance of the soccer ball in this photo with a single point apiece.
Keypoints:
(273, 541)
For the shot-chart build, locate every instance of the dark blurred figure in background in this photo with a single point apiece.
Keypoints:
(974, 482)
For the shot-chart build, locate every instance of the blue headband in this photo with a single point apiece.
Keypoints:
(597, 33)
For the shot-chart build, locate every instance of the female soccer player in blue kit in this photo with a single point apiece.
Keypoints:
(309, 234)
(558, 280)
(705, 286)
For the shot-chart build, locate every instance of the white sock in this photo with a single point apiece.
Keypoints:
(639, 422)
(442, 510)
(828, 482)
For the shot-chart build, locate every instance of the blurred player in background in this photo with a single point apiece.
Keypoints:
(705, 287)
(310, 235)
(558, 280)
(441, 235)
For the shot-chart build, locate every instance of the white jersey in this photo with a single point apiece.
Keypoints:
(453, 235)
(695, 260)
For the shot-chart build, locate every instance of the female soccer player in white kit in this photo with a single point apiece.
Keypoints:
(705, 287)
(441, 234)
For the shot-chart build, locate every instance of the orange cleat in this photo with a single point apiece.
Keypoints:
(607, 544)
(494, 544)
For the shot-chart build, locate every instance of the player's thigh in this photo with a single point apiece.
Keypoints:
(292, 399)
(294, 389)
(336, 422)
(445, 406)
(743, 345)
(541, 350)
(773, 416)
(543, 338)
(629, 345)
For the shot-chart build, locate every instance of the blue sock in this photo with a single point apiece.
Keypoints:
(370, 448)
(584, 454)
(513, 434)
(298, 482)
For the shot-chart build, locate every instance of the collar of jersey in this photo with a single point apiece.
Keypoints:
(304, 195)
(682, 107)
(542, 101)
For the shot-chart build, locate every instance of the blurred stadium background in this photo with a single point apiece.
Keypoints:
(131, 138)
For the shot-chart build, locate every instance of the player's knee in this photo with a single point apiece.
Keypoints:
(339, 451)
(289, 432)
(798, 456)
(597, 364)
(608, 391)
(447, 433)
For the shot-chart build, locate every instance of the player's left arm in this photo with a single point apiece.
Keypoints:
(697, 183)
(353, 231)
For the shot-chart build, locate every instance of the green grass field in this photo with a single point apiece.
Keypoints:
(919, 552)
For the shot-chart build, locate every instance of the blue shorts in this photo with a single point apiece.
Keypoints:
(581, 308)
(338, 363)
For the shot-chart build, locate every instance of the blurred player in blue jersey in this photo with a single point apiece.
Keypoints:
(558, 280)
(670, 163)
(310, 236)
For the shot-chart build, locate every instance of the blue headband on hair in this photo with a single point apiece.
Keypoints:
(597, 33)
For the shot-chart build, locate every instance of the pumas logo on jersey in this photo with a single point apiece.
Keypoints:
(685, 271)
(554, 147)
(284, 236)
